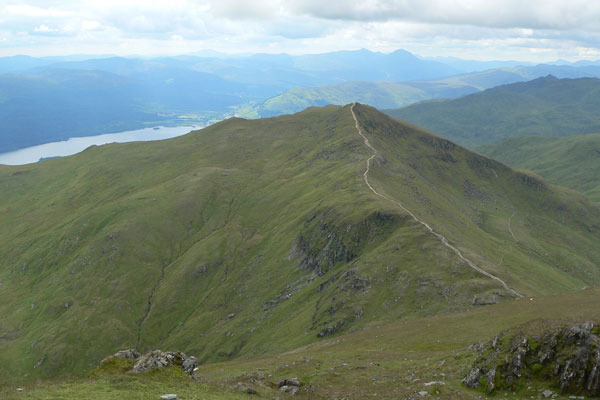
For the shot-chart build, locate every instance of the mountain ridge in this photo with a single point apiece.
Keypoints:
(263, 231)
(541, 107)
(425, 224)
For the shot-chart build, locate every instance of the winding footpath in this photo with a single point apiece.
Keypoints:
(425, 224)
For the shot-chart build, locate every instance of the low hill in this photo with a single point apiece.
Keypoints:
(251, 238)
(572, 162)
(542, 107)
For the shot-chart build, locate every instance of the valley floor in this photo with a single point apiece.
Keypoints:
(412, 359)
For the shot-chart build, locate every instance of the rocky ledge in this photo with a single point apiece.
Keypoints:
(566, 357)
(157, 359)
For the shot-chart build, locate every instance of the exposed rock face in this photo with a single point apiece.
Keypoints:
(157, 359)
(323, 241)
(567, 357)
(289, 385)
(289, 382)
(160, 359)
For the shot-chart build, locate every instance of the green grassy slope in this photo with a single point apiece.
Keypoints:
(254, 237)
(490, 211)
(542, 107)
(571, 162)
(393, 361)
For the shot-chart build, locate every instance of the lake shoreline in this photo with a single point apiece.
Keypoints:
(74, 145)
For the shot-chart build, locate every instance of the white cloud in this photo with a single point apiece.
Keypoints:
(44, 29)
(532, 29)
(245, 10)
(30, 11)
(546, 14)
(88, 25)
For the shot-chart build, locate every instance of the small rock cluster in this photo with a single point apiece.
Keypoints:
(289, 385)
(157, 359)
(567, 357)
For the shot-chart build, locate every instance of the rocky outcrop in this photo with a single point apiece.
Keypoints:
(160, 359)
(156, 359)
(566, 357)
(289, 385)
(324, 241)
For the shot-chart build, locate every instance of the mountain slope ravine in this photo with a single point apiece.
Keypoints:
(441, 237)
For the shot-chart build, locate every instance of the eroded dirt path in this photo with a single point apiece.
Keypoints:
(425, 224)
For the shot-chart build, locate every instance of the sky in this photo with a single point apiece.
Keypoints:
(525, 30)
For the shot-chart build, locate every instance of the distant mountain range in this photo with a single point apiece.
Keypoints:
(50, 99)
(542, 107)
(387, 95)
(54, 98)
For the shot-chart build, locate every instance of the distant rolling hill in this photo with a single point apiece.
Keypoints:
(573, 162)
(542, 107)
(254, 237)
(50, 99)
(378, 94)
(388, 95)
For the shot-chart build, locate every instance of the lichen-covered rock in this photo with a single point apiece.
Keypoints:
(472, 378)
(565, 356)
(290, 389)
(161, 359)
(289, 382)
(189, 364)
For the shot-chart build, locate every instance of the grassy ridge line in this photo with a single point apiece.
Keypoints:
(425, 224)
(470, 198)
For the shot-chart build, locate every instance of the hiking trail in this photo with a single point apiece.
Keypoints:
(441, 237)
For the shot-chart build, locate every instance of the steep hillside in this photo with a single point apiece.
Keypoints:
(542, 107)
(572, 162)
(253, 237)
